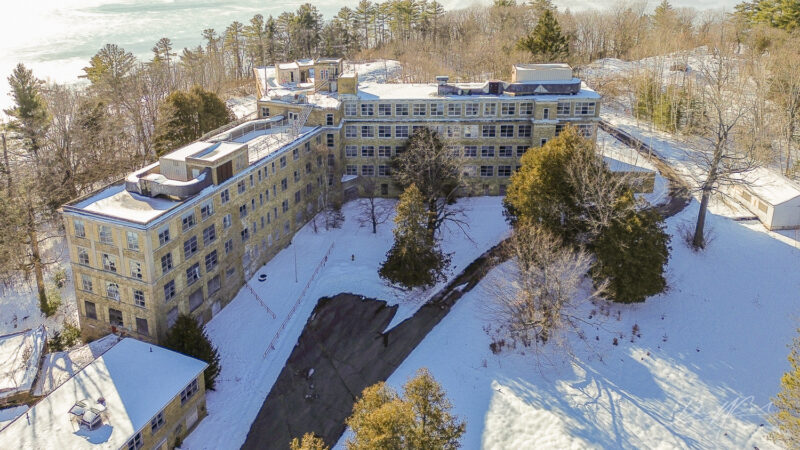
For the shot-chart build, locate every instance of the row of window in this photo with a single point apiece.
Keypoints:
(467, 151)
(467, 109)
(450, 131)
(105, 235)
(469, 171)
(115, 318)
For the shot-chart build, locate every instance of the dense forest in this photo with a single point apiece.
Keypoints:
(62, 141)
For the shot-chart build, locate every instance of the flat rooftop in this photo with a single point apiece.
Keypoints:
(116, 202)
(136, 380)
(429, 91)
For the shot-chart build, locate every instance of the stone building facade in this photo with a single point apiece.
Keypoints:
(183, 235)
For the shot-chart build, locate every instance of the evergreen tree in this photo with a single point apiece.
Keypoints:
(415, 259)
(310, 442)
(29, 113)
(419, 419)
(188, 337)
(428, 164)
(188, 115)
(783, 14)
(546, 42)
(631, 255)
(786, 418)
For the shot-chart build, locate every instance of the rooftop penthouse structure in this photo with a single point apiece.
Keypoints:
(184, 233)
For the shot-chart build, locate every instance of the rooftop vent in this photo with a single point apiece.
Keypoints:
(88, 417)
(441, 80)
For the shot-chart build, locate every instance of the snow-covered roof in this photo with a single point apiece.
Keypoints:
(59, 367)
(421, 91)
(771, 186)
(136, 380)
(115, 201)
(19, 360)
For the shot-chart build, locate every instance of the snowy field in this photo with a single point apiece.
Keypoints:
(710, 356)
(243, 329)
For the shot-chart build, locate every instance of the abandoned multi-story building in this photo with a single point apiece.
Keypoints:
(183, 234)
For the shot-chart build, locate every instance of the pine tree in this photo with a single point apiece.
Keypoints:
(29, 113)
(188, 337)
(419, 419)
(415, 259)
(631, 255)
(786, 418)
(310, 442)
(188, 115)
(546, 42)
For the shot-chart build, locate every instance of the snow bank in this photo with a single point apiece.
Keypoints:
(243, 329)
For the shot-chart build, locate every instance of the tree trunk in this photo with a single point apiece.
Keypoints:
(699, 240)
(8, 168)
(36, 260)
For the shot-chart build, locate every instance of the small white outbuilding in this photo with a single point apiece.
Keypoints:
(773, 198)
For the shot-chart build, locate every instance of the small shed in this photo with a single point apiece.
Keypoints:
(772, 197)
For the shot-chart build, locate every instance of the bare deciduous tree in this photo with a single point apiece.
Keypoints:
(374, 210)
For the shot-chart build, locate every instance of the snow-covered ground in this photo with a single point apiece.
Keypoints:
(243, 330)
(7, 415)
(710, 356)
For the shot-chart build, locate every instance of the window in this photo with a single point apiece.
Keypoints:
(545, 113)
(384, 109)
(351, 170)
(384, 131)
(196, 299)
(399, 150)
(297, 197)
(367, 151)
(136, 442)
(469, 171)
(213, 285)
(470, 131)
(227, 221)
(228, 246)
(505, 151)
(163, 236)
(470, 151)
(562, 109)
(488, 131)
(295, 154)
(487, 151)
(243, 211)
(524, 131)
(507, 131)
(166, 263)
(329, 119)
(296, 177)
(526, 109)
(86, 283)
(169, 290)
(453, 109)
(384, 151)
(454, 150)
(109, 263)
(471, 109)
(189, 247)
(487, 171)
(543, 141)
(367, 109)
(586, 129)
(490, 109)
(91, 310)
(157, 422)
(189, 391)
(368, 171)
(503, 171)
(508, 109)
(264, 111)
(559, 128)
(420, 109)
(350, 131)
(284, 205)
(80, 229)
(138, 298)
(584, 108)
(384, 189)
(283, 162)
(224, 196)
(245, 234)
(193, 273)
(83, 256)
(521, 149)
(383, 171)
(401, 131)
(367, 131)
(437, 109)
(350, 109)
(241, 187)
(105, 235)
(350, 151)
(112, 291)
(286, 228)
(188, 221)
(136, 269)
(209, 235)
(401, 109)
